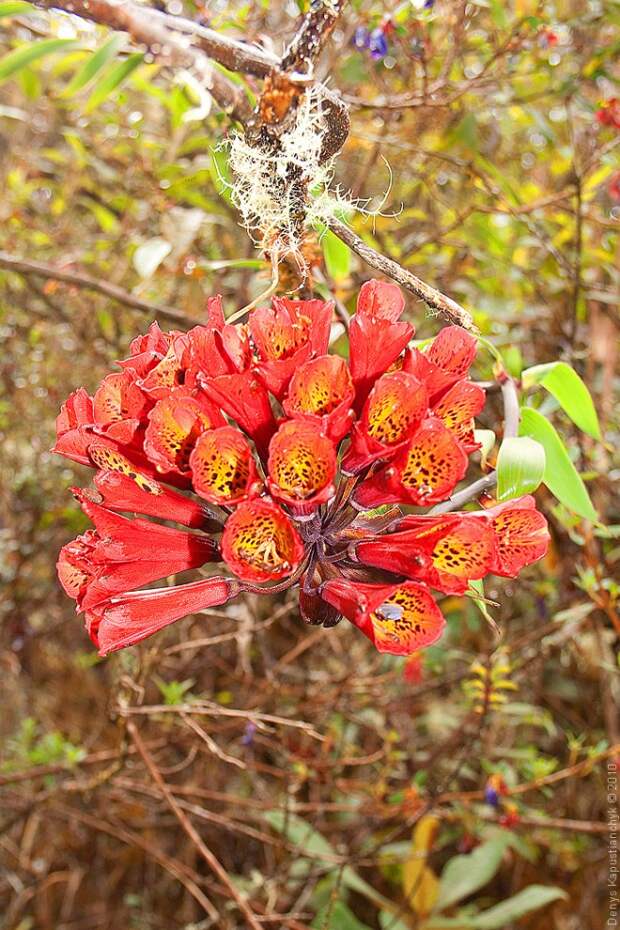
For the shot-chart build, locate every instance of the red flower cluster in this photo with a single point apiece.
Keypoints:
(274, 456)
(608, 113)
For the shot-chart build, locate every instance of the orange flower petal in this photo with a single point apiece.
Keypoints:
(407, 620)
(260, 543)
(431, 465)
(175, 423)
(302, 465)
(522, 537)
(118, 398)
(222, 466)
(458, 407)
(322, 390)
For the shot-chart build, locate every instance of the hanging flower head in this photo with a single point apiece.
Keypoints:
(291, 468)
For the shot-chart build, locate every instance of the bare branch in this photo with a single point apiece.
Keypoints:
(448, 308)
(210, 858)
(164, 43)
(41, 270)
(232, 54)
(308, 42)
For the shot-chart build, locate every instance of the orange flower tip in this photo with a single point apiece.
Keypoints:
(260, 543)
(302, 465)
(223, 468)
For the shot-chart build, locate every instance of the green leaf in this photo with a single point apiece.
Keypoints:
(27, 54)
(15, 8)
(94, 64)
(340, 918)
(389, 921)
(520, 467)
(112, 79)
(498, 13)
(560, 476)
(530, 899)
(310, 841)
(465, 874)
(337, 255)
(569, 390)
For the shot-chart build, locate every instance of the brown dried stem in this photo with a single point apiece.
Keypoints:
(448, 308)
(77, 279)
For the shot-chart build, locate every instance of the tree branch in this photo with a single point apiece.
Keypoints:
(230, 53)
(147, 28)
(210, 858)
(448, 308)
(307, 43)
(41, 270)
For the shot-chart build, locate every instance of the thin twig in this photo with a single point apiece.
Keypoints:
(78, 279)
(448, 308)
(210, 858)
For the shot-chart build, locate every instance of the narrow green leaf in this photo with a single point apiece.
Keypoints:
(94, 64)
(520, 467)
(465, 874)
(27, 54)
(311, 842)
(15, 8)
(560, 476)
(569, 390)
(530, 899)
(337, 255)
(337, 916)
(113, 77)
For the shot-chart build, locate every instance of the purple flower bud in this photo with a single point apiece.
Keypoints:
(361, 38)
(248, 737)
(491, 796)
(378, 44)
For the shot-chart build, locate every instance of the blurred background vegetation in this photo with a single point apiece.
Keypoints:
(334, 784)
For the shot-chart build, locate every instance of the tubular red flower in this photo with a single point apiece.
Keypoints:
(397, 618)
(124, 553)
(286, 335)
(75, 427)
(302, 466)
(522, 535)
(458, 407)
(446, 361)
(243, 397)
(392, 413)
(217, 348)
(175, 423)
(446, 552)
(147, 351)
(129, 618)
(260, 542)
(161, 421)
(321, 391)
(223, 467)
(424, 472)
(132, 492)
(376, 339)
